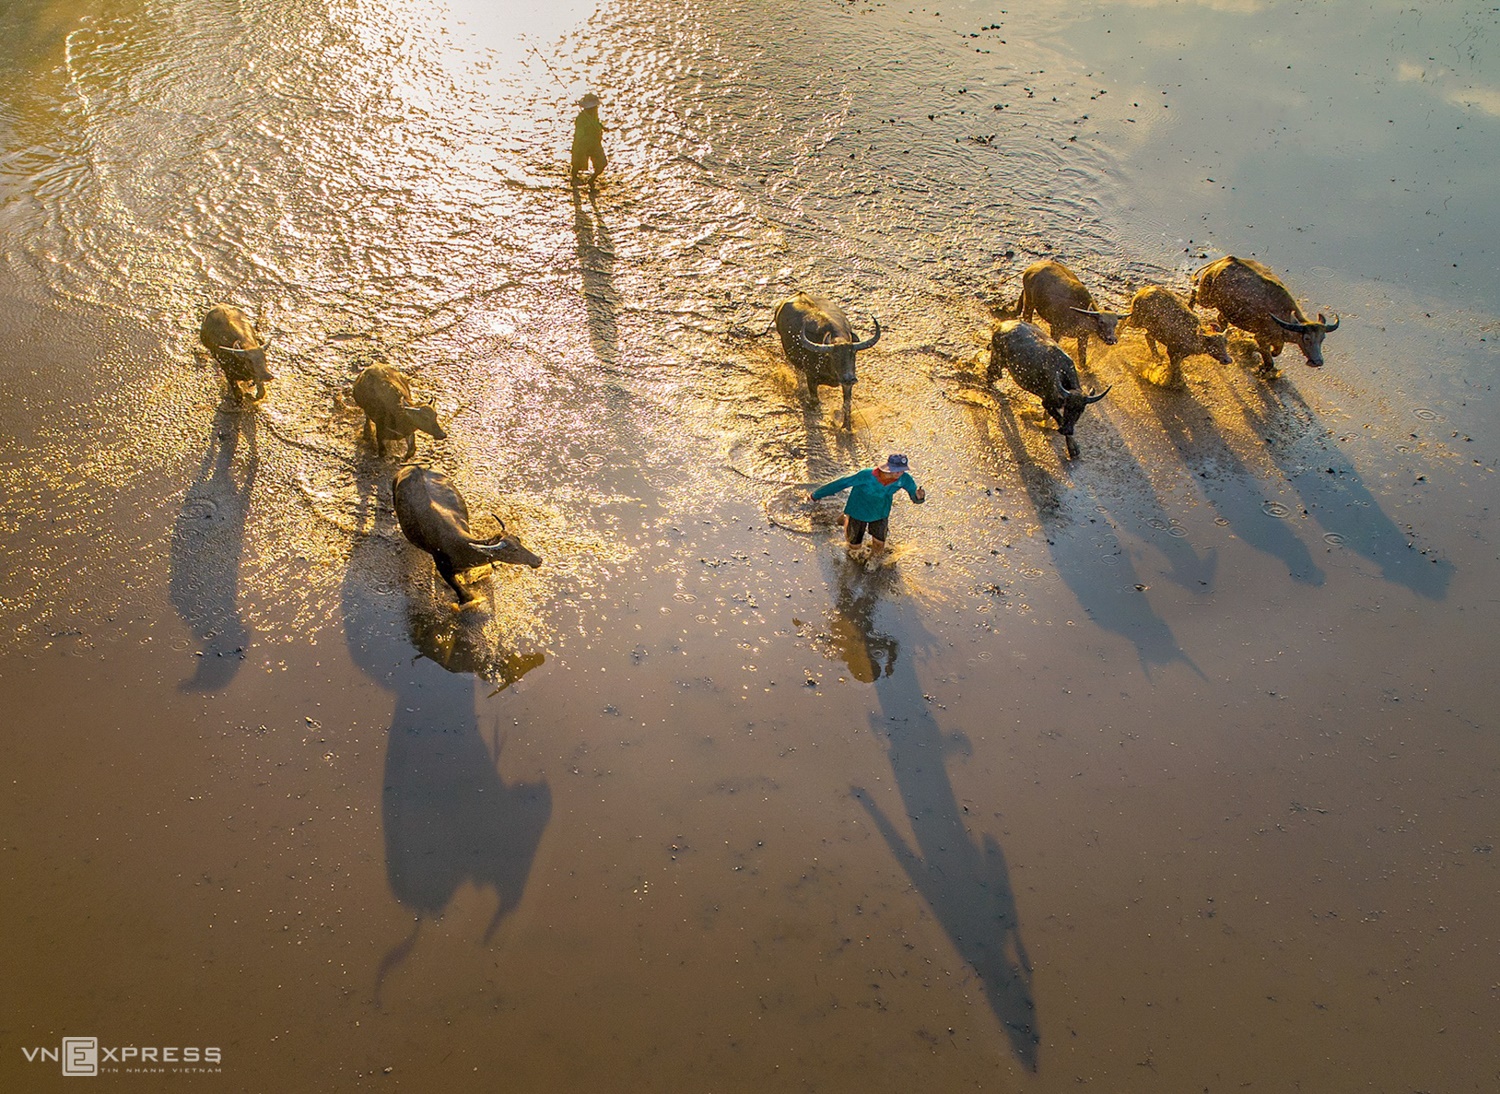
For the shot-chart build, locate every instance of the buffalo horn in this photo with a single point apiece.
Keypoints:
(1295, 328)
(870, 341)
(816, 347)
(1329, 328)
(1095, 398)
(498, 521)
(233, 349)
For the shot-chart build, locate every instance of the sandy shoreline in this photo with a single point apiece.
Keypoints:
(1167, 768)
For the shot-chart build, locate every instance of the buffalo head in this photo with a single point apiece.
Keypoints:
(423, 416)
(1215, 343)
(1073, 404)
(1309, 336)
(840, 354)
(506, 548)
(1104, 324)
(253, 359)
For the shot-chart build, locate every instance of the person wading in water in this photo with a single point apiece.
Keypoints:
(871, 492)
(588, 139)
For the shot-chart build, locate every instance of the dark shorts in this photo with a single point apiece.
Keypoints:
(854, 530)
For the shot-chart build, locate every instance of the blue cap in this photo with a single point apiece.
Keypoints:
(895, 464)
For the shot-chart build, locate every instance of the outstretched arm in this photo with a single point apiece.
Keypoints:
(833, 487)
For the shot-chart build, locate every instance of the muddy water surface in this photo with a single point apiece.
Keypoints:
(1169, 767)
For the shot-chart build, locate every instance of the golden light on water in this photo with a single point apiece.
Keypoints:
(700, 797)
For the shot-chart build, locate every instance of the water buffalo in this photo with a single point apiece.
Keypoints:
(1251, 297)
(819, 342)
(385, 397)
(1042, 367)
(435, 517)
(240, 351)
(1053, 291)
(1164, 318)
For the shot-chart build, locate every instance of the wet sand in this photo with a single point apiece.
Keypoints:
(1168, 768)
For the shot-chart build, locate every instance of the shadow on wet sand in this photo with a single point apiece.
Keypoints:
(1338, 498)
(964, 880)
(869, 652)
(596, 262)
(448, 816)
(208, 541)
(1230, 486)
(1108, 593)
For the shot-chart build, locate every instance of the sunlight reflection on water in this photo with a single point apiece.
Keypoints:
(387, 182)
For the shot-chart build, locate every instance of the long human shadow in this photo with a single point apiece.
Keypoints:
(1108, 592)
(963, 877)
(596, 261)
(1338, 499)
(448, 816)
(1230, 486)
(208, 540)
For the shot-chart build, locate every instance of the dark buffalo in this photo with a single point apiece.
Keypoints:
(434, 516)
(1164, 318)
(1042, 367)
(1053, 291)
(240, 351)
(819, 342)
(1251, 297)
(385, 397)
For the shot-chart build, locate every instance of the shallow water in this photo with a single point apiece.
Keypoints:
(1168, 767)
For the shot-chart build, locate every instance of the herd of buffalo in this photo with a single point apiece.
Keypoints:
(819, 343)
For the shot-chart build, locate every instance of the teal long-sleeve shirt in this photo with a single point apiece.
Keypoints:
(869, 498)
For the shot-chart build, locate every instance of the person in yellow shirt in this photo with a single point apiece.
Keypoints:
(588, 139)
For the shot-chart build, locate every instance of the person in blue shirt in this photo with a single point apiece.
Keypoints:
(871, 492)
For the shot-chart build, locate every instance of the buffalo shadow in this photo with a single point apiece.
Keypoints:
(964, 878)
(1108, 592)
(208, 540)
(447, 814)
(1338, 498)
(596, 263)
(1232, 488)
